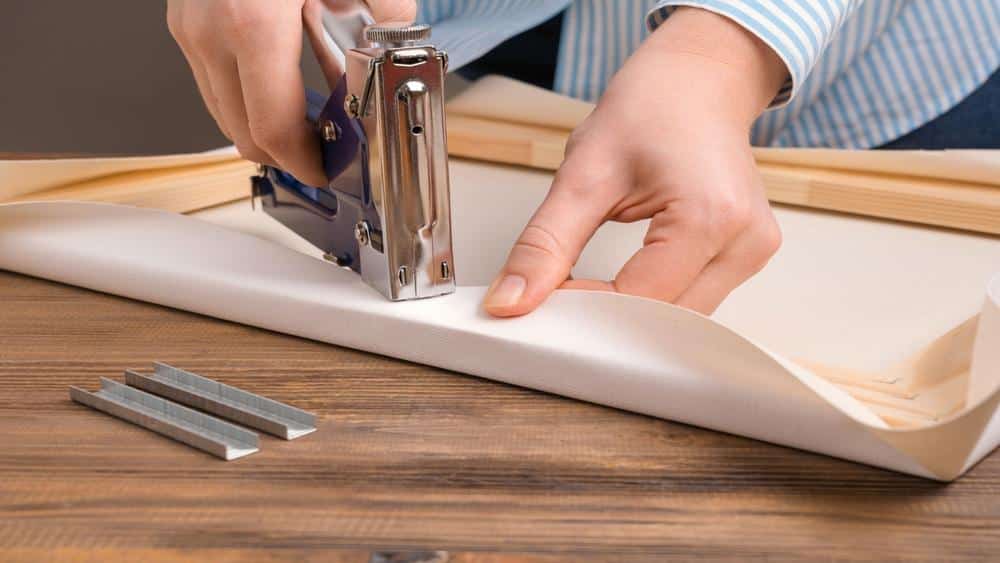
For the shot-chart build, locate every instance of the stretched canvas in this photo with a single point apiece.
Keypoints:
(767, 366)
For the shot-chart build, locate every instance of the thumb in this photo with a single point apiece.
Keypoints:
(547, 249)
(382, 11)
(393, 11)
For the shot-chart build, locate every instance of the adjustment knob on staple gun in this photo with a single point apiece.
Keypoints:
(397, 36)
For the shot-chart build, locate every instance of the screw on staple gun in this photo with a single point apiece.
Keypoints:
(386, 211)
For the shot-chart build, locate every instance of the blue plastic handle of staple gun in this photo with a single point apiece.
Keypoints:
(326, 215)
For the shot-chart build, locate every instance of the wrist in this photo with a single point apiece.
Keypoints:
(712, 52)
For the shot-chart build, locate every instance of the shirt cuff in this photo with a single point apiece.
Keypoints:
(798, 31)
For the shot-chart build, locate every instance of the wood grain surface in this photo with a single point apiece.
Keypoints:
(409, 457)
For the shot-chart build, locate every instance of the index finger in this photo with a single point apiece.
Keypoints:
(550, 244)
(273, 91)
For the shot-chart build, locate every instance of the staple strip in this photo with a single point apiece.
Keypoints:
(226, 401)
(191, 427)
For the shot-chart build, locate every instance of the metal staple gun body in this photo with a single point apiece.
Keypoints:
(386, 211)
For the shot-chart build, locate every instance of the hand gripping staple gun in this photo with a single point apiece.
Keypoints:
(386, 211)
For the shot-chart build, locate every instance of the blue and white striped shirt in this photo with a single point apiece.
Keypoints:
(860, 73)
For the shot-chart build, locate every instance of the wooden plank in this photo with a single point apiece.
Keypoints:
(959, 205)
(181, 189)
(31, 174)
(506, 143)
(413, 457)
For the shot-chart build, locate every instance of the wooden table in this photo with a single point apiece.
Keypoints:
(409, 457)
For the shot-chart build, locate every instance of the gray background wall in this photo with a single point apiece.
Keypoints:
(100, 76)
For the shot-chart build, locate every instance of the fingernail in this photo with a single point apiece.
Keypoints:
(507, 292)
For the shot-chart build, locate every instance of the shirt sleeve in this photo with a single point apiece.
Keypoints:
(797, 30)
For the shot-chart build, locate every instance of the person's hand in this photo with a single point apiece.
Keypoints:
(669, 141)
(245, 58)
